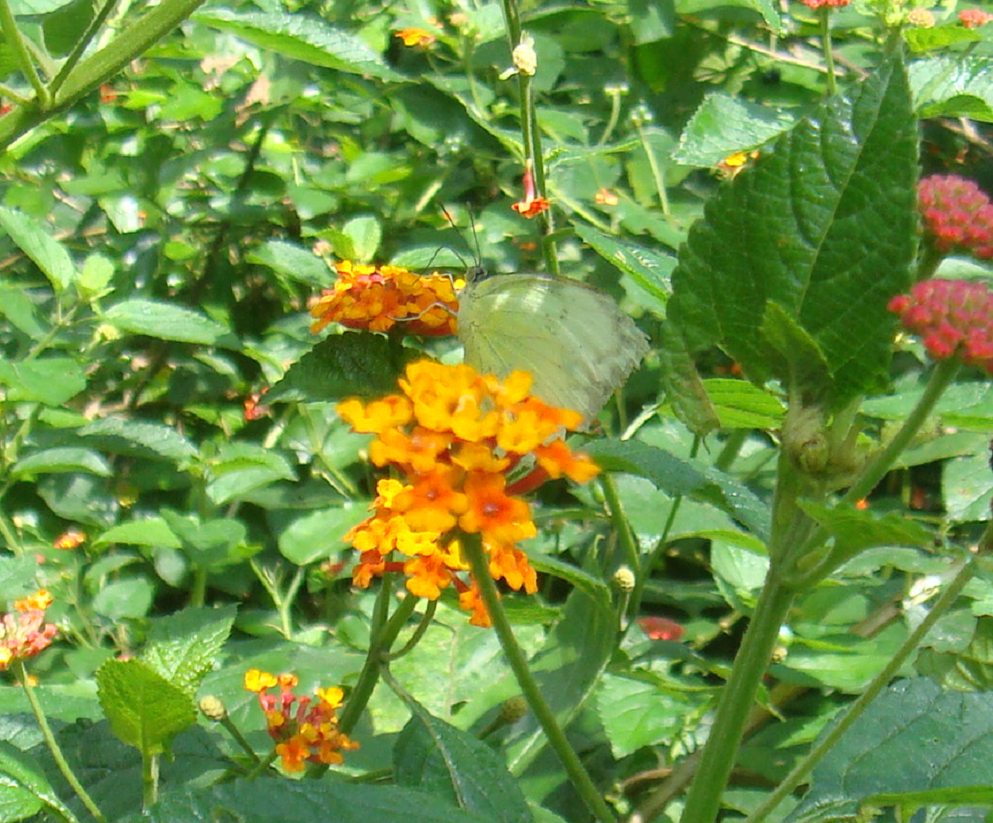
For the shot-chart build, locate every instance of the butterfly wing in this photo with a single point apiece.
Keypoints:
(574, 340)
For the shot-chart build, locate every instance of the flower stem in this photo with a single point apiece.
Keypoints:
(473, 546)
(854, 711)
(704, 799)
(12, 35)
(825, 21)
(53, 746)
(383, 635)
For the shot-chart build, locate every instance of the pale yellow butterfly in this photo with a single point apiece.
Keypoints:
(573, 339)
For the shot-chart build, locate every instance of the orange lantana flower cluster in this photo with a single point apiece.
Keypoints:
(25, 634)
(378, 298)
(308, 734)
(453, 435)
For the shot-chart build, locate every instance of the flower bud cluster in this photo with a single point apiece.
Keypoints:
(957, 214)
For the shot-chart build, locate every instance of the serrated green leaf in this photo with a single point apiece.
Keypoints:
(741, 405)
(365, 232)
(24, 788)
(184, 646)
(34, 239)
(854, 529)
(679, 477)
(943, 85)
(683, 386)
(150, 531)
(53, 381)
(164, 321)
(636, 713)
(293, 262)
(966, 670)
(61, 460)
(303, 802)
(140, 439)
(823, 226)
(449, 763)
(302, 38)
(213, 543)
(346, 365)
(911, 738)
(723, 125)
(967, 488)
(144, 709)
(648, 268)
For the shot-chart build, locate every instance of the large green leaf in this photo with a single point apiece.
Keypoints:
(947, 86)
(164, 321)
(24, 788)
(145, 710)
(345, 365)
(822, 229)
(302, 38)
(450, 763)
(913, 737)
(183, 647)
(49, 380)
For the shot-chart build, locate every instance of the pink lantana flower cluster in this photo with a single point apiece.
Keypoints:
(25, 633)
(954, 318)
(957, 214)
(974, 18)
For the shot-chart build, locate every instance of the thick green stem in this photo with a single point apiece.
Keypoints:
(704, 799)
(473, 546)
(149, 779)
(53, 746)
(15, 42)
(854, 711)
(380, 643)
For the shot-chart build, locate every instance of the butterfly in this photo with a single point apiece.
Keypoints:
(573, 339)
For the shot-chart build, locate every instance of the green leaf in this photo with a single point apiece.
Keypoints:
(211, 544)
(293, 262)
(967, 488)
(913, 737)
(365, 233)
(124, 599)
(164, 321)
(823, 226)
(649, 269)
(139, 439)
(855, 530)
(449, 763)
(240, 468)
(24, 788)
(184, 646)
(318, 535)
(306, 801)
(679, 477)
(18, 307)
(61, 460)
(145, 710)
(53, 381)
(651, 20)
(741, 405)
(683, 386)
(150, 531)
(724, 125)
(946, 86)
(637, 713)
(34, 239)
(302, 38)
(939, 37)
(353, 364)
(32, 7)
(968, 670)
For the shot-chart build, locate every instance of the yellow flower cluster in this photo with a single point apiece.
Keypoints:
(453, 435)
(308, 734)
(380, 298)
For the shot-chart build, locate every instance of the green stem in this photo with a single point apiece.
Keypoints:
(656, 171)
(824, 13)
(419, 632)
(620, 524)
(149, 779)
(473, 547)
(77, 50)
(239, 738)
(104, 64)
(942, 376)
(286, 602)
(53, 747)
(854, 711)
(12, 34)
(379, 644)
(737, 697)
